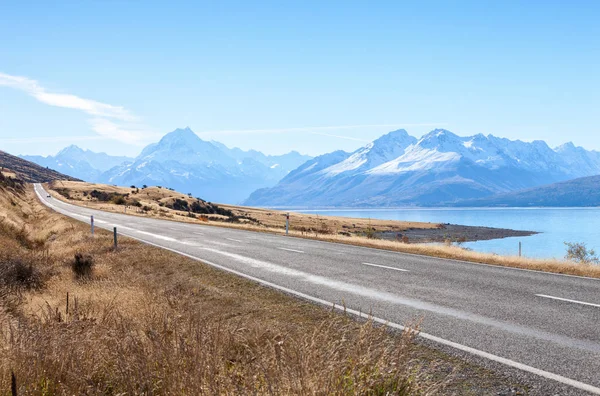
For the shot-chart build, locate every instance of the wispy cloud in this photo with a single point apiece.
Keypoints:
(122, 127)
(126, 133)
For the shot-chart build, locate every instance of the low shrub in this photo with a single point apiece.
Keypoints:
(118, 200)
(20, 272)
(64, 192)
(370, 233)
(82, 265)
(579, 253)
(179, 204)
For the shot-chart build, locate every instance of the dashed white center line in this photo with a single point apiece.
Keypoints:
(568, 300)
(234, 240)
(198, 233)
(385, 266)
(291, 250)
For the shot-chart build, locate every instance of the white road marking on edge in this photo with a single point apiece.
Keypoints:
(567, 300)
(234, 240)
(476, 352)
(385, 266)
(291, 250)
(166, 238)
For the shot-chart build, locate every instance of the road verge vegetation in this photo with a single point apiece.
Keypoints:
(79, 317)
(358, 232)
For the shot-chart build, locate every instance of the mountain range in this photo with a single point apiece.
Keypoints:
(182, 161)
(83, 164)
(583, 191)
(396, 169)
(439, 168)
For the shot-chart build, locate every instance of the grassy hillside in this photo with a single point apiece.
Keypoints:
(28, 171)
(162, 202)
(159, 202)
(80, 318)
(583, 191)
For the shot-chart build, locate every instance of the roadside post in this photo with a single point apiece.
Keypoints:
(519, 248)
(115, 236)
(287, 223)
(92, 224)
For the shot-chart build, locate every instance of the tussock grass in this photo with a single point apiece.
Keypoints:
(458, 253)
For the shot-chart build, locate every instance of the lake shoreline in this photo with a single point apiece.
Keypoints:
(454, 233)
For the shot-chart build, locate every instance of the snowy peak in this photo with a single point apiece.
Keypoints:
(70, 151)
(568, 147)
(384, 149)
(184, 139)
(184, 146)
(180, 136)
(442, 140)
(210, 169)
(396, 138)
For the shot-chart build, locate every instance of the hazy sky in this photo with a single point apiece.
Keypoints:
(312, 76)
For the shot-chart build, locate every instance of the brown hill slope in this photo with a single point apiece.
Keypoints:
(28, 171)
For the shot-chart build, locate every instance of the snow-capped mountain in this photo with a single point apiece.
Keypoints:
(82, 164)
(210, 170)
(398, 169)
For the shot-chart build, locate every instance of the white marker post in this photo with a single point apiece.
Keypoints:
(92, 224)
(287, 223)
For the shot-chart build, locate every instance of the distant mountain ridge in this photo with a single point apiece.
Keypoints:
(440, 167)
(84, 164)
(580, 192)
(211, 170)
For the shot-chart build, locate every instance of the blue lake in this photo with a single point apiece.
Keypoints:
(557, 225)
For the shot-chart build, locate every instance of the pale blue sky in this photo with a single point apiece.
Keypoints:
(276, 76)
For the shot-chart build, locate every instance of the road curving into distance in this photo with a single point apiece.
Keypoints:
(546, 325)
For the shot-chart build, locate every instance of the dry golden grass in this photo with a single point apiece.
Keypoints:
(149, 321)
(8, 173)
(326, 228)
(458, 253)
(267, 219)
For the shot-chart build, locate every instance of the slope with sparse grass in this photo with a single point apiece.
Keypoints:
(78, 317)
(29, 171)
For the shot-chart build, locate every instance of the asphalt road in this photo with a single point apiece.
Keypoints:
(547, 325)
